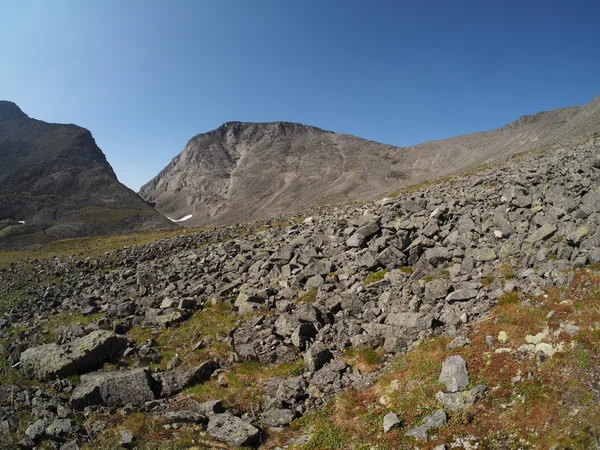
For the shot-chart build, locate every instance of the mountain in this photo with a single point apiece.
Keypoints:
(56, 184)
(246, 171)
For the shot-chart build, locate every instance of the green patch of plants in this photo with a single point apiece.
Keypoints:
(364, 354)
(373, 277)
(212, 324)
(409, 270)
(507, 271)
(241, 387)
(308, 297)
(487, 280)
(508, 298)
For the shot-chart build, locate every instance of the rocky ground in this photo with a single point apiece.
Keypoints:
(242, 336)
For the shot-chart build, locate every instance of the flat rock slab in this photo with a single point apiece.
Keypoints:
(82, 355)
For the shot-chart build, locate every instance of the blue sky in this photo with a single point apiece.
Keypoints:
(146, 76)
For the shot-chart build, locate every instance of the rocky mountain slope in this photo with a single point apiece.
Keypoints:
(438, 318)
(248, 171)
(57, 184)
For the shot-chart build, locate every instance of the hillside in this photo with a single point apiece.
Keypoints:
(57, 184)
(248, 171)
(461, 315)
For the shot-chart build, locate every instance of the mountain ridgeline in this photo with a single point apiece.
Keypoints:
(56, 183)
(247, 171)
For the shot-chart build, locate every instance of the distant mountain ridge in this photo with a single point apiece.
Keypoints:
(245, 171)
(55, 179)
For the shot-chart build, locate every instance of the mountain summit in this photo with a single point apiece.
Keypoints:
(56, 184)
(245, 171)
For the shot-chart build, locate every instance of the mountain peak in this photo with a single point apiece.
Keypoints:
(10, 110)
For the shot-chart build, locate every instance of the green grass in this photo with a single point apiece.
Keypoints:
(308, 297)
(211, 324)
(373, 277)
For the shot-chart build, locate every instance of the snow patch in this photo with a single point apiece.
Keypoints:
(22, 222)
(189, 216)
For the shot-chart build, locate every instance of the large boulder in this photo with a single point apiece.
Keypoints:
(82, 355)
(132, 387)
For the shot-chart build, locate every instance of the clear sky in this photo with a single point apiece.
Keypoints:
(146, 75)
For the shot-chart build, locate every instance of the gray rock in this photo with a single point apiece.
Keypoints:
(434, 421)
(360, 236)
(185, 416)
(291, 391)
(461, 295)
(232, 430)
(127, 439)
(458, 401)
(303, 334)
(458, 341)
(211, 407)
(391, 258)
(70, 445)
(36, 430)
(278, 417)
(436, 256)
(544, 232)
(174, 381)
(390, 421)
(133, 387)
(485, 254)
(590, 203)
(246, 303)
(60, 428)
(436, 289)
(316, 356)
(454, 374)
(87, 353)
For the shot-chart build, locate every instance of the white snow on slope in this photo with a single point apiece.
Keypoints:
(189, 216)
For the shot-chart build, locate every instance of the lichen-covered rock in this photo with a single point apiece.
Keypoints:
(232, 430)
(82, 355)
(132, 387)
(457, 401)
(174, 381)
(454, 374)
(434, 421)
